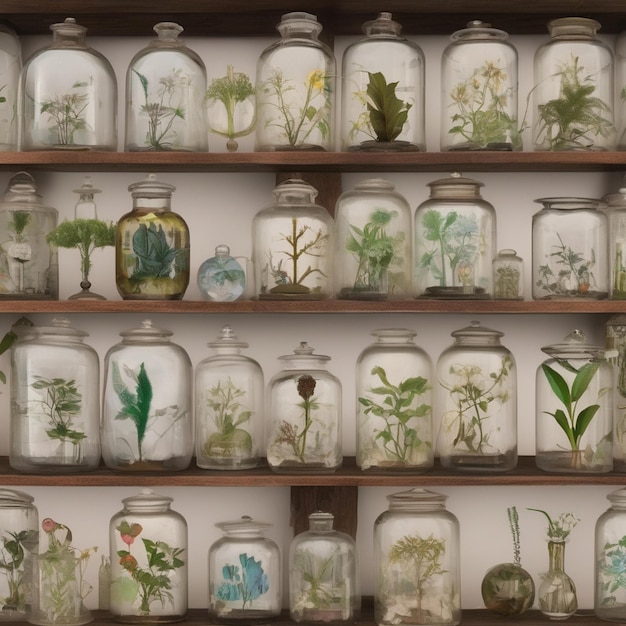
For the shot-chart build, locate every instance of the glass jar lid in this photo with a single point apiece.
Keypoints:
(61, 327)
(227, 339)
(14, 498)
(375, 184)
(476, 334)
(167, 35)
(304, 353)
(245, 526)
(617, 498)
(575, 345)
(455, 187)
(147, 501)
(151, 187)
(321, 522)
(478, 31)
(295, 191)
(416, 498)
(146, 333)
(299, 22)
(567, 203)
(573, 28)
(394, 335)
(68, 34)
(22, 189)
(382, 25)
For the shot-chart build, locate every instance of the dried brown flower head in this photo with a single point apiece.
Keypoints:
(306, 386)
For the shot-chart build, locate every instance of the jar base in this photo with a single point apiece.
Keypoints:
(480, 462)
(149, 619)
(386, 146)
(569, 463)
(469, 146)
(173, 464)
(470, 292)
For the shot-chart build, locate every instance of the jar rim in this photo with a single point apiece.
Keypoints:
(568, 202)
(14, 497)
(575, 343)
(477, 30)
(243, 525)
(417, 495)
(147, 499)
(146, 331)
(475, 329)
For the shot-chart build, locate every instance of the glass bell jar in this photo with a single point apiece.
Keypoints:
(476, 396)
(245, 574)
(570, 250)
(228, 398)
(221, 278)
(620, 88)
(295, 80)
(147, 402)
(394, 404)
(165, 95)
(292, 245)
(455, 241)
(68, 95)
(574, 408)
(373, 248)
(382, 68)
(573, 88)
(149, 561)
(29, 266)
(615, 345)
(55, 400)
(479, 91)
(152, 254)
(614, 206)
(304, 415)
(19, 534)
(508, 275)
(10, 67)
(417, 561)
(323, 574)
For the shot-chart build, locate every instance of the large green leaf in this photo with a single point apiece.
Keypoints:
(583, 379)
(388, 113)
(558, 384)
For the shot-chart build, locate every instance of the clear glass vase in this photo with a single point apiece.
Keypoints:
(556, 595)
(508, 589)
(10, 67)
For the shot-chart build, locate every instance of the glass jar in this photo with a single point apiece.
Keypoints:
(570, 250)
(292, 245)
(149, 561)
(30, 264)
(10, 67)
(614, 206)
(373, 256)
(165, 92)
(479, 91)
(508, 276)
(19, 534)
(221, 278)
(573, 88)
(147, 420)
(476, 400)
(323, 574)
(615, 346)
(574, 415)
(417, 561)
(152, 254)
(383, 64)
(620, 90)
(228, 396)
(304, 415)
(244, 573)
(68, 95)
(295, 80)
(55, 400)
(455, 241)
(394, 404)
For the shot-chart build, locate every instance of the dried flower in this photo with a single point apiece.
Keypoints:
(49, 525)
(306, 386)
(559, 529)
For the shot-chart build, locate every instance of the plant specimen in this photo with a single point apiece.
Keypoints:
(67, 112)
(153, 581)
(319, 590)
(155, 256)
(507, 282)
(13, 551)
(19, 250)
(398, 410)
(387, 113)
(244, 582)
(611, 569)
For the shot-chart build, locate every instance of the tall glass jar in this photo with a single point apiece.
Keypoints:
(574, 414)
(149, 561)
(19, 534)
(292, 245)
(508, 275)
(30, 266)
(323, 574)
(614, 206)
(394, 404)
(68, 95)
(295, 80)
(165, 91)
(570, 250)
(147, 420)
(620, 90)
(55, 400)
(244, 573)
(304, 415)
(455, 241)
(152, 254)
(228, 396)
(615, 346)
(479, 91)
(573, 88)
(382, 65)
(373, 251)
(417, 561)
(10, 67)
(476, 400)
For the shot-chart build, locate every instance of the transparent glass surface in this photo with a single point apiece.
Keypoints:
(10, 67)
(508, 276)
(615, 344)
(221, 278)
(614, 206)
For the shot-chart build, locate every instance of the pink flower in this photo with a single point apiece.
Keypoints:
(128, 539)
(49, 525)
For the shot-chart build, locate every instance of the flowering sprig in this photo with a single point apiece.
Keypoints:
(560, 528)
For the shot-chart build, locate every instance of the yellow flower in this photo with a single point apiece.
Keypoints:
(315, 80)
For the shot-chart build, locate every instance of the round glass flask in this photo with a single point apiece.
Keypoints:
(10, 67)
(221, 278)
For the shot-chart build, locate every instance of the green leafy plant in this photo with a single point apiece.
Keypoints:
(15, 545)
(387, 113)
(611, 568)
(67, 114)
(318, 591)
(154, 254)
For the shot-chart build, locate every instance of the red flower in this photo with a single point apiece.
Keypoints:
(128, 562)
(49, 525)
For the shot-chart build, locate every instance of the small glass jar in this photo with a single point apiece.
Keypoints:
(479, 91)
(615, 346)
(244, 573)
(32, 265)
(570, 250)
(229, 400)
(508, 276)
(417, 561)
(149, 561)
(573, 88)
(68, 95)
(165, 92)
(380, 65)
(55, 400)
(152, 254)
(147, 420)
(476, 400)
(323, 574)
(574, 415)
(304, 415)
(292, 245)
(614, 206)
(295, 80)
(373, 248)
(221, 278)
(10, 67)
(394, 404)
(455, 241)
(19, 534)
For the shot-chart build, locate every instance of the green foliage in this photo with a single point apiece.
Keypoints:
(67, 112)
(19, 222)
(388, 114)
(12, 554)
(154, 254)
(559, 528)
(612, 570)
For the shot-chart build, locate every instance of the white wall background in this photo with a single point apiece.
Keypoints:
(219, 208)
